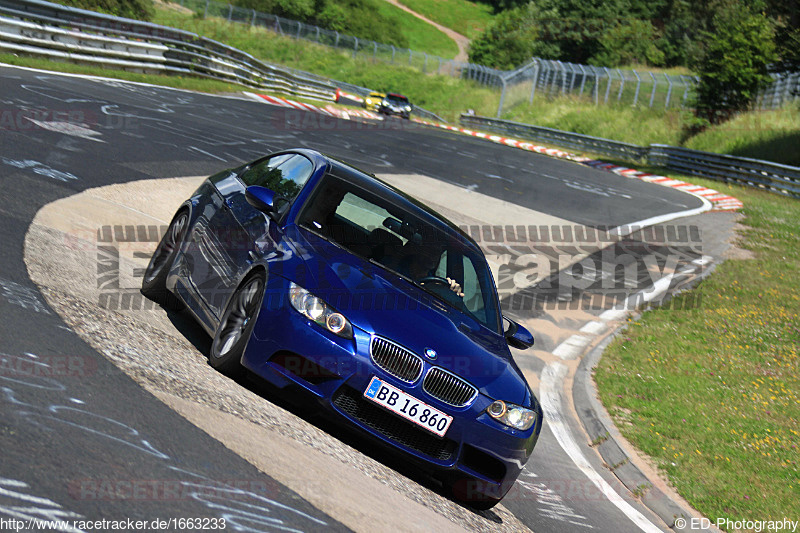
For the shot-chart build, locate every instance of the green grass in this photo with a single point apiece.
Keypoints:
(445, 95)
(177, 82)
(467, 18)
(638, 125)
(770, 135)
(422, 37)
(711, 393)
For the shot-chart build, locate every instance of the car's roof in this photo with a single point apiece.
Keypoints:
(379, 187)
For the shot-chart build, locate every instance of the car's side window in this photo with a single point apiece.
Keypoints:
(284, 174)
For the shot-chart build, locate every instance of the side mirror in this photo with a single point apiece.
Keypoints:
(261, 198)
(517, 336)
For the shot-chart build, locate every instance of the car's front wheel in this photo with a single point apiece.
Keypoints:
(155, 275)
(237, 325)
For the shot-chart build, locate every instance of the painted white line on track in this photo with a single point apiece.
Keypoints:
(550, 396)
(627, 229)
(572, 347)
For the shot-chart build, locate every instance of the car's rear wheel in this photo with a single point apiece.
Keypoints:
(155, 275)
(237, 325)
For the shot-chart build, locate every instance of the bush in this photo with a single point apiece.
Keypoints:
(733, 65)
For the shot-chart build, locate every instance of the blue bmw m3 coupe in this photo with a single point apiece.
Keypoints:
(309, 272)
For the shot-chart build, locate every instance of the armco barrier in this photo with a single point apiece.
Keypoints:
(774, 177)
(41, 28)
(37, 27)
(560, 138)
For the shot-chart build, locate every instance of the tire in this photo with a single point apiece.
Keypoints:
(237, 325)
(155, 275)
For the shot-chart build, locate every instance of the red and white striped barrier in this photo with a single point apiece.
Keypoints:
(283, 102)
(718, 200)
(347, 113)
(341, 94)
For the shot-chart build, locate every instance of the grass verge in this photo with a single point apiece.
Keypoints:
(445, 95)
(467, 18)
(177, 82)
(710, 390)
(770, 135)
(421, 36)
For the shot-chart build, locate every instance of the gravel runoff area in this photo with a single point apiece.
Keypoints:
(68, 259)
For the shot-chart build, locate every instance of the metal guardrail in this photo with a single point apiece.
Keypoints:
(575, 141)
(52, 30)
(756, 173)
(37, 27)
(774, 177)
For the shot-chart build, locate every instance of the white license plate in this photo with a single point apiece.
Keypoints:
(408, 407)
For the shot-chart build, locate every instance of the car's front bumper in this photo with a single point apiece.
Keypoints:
(288, 349)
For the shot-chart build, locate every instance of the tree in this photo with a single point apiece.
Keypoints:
(515, 36)
(733, 65)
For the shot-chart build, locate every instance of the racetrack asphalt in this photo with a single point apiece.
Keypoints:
(65, 430)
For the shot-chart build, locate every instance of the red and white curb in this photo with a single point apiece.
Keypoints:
(718, 200)
(328, 110)
(291, 104)
(341, 94)
(347, 113)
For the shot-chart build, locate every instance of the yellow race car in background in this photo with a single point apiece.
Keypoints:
(373, 101)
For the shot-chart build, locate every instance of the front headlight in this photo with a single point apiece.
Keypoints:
(511, 415)
(317, 310)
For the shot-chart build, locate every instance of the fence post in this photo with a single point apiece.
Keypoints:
(686, 86)
(621, 84)
(502, 97)
(572, 78)
(583, 79)
(608, 86)
(534, 81)
(653, 92)
(669, 91)
(777, 82)
(638, 86)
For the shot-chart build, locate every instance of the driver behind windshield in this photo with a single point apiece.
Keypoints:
(421, 262)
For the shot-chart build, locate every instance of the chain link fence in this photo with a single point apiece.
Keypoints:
(540, 78)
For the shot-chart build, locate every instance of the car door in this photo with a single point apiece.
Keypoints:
(242, 233)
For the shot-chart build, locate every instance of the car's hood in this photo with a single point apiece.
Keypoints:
(382, 303)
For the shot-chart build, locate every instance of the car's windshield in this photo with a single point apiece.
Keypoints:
(397, 99)
(432, 255)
